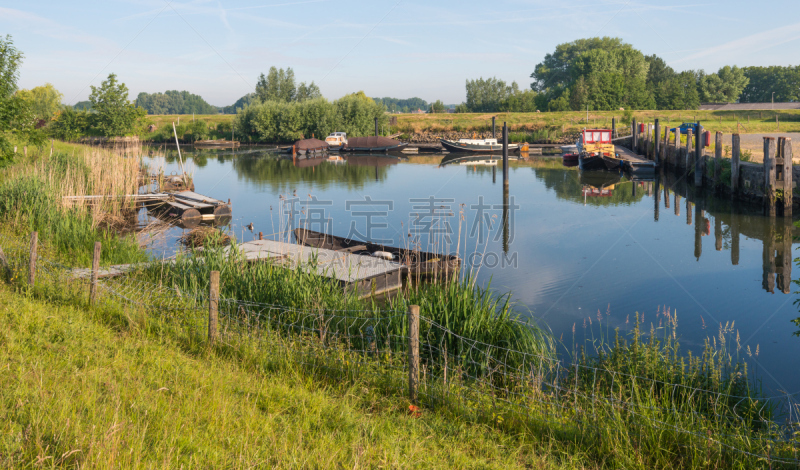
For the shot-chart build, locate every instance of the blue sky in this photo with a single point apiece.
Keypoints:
(386, 48)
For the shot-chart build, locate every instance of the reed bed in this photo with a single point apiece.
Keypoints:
(49, 193)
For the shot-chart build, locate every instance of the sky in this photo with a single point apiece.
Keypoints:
(397, 48)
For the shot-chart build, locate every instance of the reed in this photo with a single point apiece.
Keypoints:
(32, 198)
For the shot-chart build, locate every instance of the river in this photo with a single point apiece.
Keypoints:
(573, 246)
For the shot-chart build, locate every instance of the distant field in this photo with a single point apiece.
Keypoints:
(748, 122)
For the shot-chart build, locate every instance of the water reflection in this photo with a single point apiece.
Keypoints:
(731, 221)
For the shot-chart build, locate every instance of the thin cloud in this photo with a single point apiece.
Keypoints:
(749, 44)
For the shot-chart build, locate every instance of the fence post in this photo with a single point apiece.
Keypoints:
(413, 352)
(213, 307)
(788, 177)
(32, 263)
(735, 155)
(95, 269)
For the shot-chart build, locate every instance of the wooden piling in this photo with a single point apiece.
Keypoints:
(676, 148)
(699, 161)
(656, 141)
(768, 258)
(32, 259)
(613, 127)
(677, 204)
(213, 307)
(95, 270)
(635, 136)
(784, 265)
(688, 161)
(717, 159)
(717, 233)
(769, 175)
(413, 352)
(688, 211)
(788, 177)
(735, 155)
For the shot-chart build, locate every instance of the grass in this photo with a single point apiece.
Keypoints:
(102, 389)
(32, 195)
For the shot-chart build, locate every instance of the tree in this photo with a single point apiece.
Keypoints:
(174, 102)
(763, 81)
(113, 114)
(308, 92)
(16, 118)
(43, 101)
(725, 86)
(462, 108)
(486, 95)
(396, 105)
(437, 107)
(604, 73)
(239, 104)
(278, 85)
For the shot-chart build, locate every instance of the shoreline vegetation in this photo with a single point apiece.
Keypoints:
(614, 399)
(549, 127)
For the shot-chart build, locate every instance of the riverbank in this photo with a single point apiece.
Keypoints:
(545, 127)
(619, 404)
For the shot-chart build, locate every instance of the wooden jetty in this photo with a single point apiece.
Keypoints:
(186, 205)
(182, 205)
(366, 275)
(634, 163)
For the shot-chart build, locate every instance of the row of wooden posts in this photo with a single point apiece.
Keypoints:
(658, 146)
(213, 311)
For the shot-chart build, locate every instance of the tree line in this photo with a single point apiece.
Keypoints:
(608, 74)
(174, 102)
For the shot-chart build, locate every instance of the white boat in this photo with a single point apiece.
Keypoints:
(477, 145)
(336, 140)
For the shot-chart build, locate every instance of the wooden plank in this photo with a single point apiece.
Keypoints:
(769, 175)
(788, 178)
(735, 156)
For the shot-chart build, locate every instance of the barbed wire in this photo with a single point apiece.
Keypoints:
(474, 375)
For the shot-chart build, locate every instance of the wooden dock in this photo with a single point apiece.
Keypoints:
(636, 164)
(366, 275)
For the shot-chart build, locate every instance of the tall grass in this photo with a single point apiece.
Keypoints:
(32, 198)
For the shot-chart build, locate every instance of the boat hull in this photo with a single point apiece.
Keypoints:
(416, 263)
(592, 162)
(384, 149)
(452, 146)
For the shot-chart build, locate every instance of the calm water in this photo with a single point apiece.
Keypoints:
(572, 244)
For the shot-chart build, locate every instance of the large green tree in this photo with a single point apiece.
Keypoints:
(725, 86)
(602, 73)
(113, 114)
(43, 101)
(174, 102)
(784, 81)
(17, 122)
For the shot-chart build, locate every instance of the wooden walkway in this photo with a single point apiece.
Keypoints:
(366, 275)
(634, 163)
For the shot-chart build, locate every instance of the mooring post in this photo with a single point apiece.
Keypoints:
(676, 149)
(768, 258)
(699, 222)
(613, 128)
(657, 141)
(493, 133)
(413, 352)
(666, 193)
(699, 161)
(32, 261)
(657, 197)
(376, 127)
(769, 175)
(735, 155)
(635, 136)
(213, 307)
(95, 272)
(717, 233)
(677, 204)
(505, 155)
(494, 174)
(688, 210)
(785, 257)
(717, 159)
(688, 161)
(788, 177)
(734, 237)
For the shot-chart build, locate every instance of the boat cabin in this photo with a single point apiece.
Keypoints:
(336, 139)
(597, 141)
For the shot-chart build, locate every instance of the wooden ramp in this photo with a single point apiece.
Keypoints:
(634, 163)
(366, 275)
